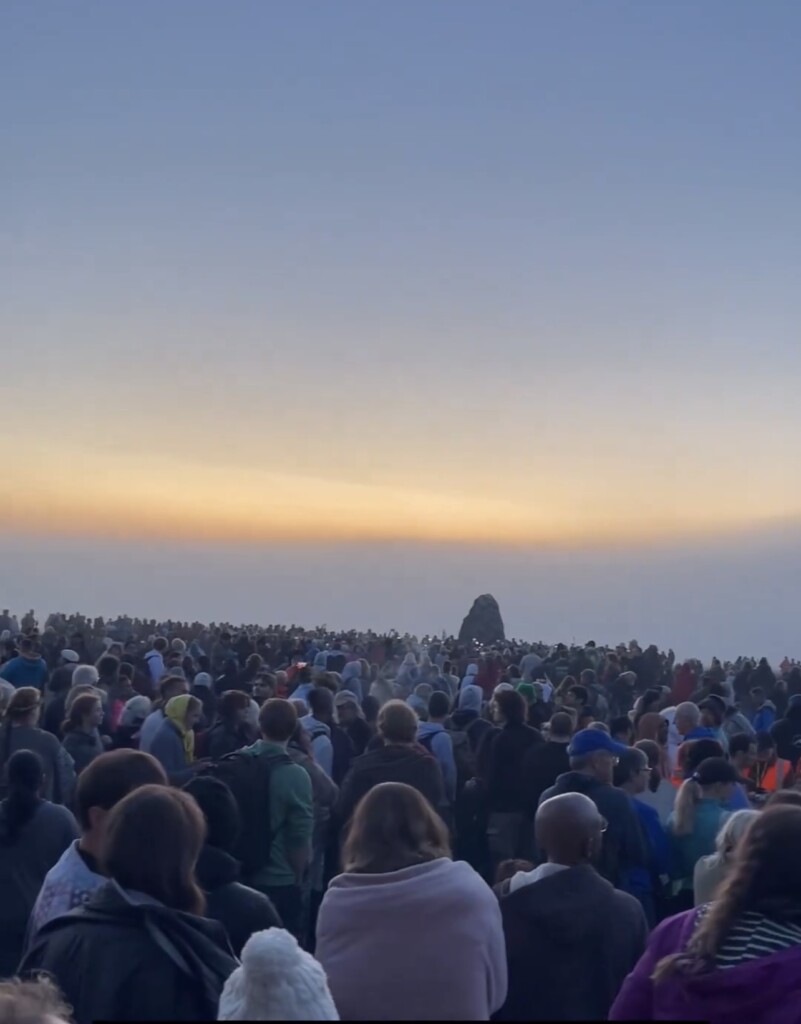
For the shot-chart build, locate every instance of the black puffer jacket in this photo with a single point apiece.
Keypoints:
(240, 909)
(116, 959)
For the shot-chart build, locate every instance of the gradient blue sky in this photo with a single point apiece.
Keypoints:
(435, 277)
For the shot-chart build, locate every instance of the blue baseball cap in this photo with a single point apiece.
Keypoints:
(589, 741)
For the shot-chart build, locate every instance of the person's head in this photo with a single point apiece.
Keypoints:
(108, 668)
(397, 723)
(595, 753)
(33, 1002)
(577, 697)
(254, 664)
(172, 686)
(276, 980)
(790, 797)
(85, 675)
(24, 774)
(652, 726)
(160, 644)
(233, 707)
(135, 712)
(321, 704)
(127, 671)
(688, 716)
(732, 831)
(509, 707)
(693, 753)
(86, 713)
(713, 779)
(742, 752)
(393, 827)
(763, 879)
(347, 707)
(439, 706)
(656, 761)
(632, 772)
(264, 685)
(569, 829)
(27, 647)
(471, 698)
(621, 729)
(765, 748)
(219, 808)
(128, 857)
(561, 728)
(106, 780)
(277, 720)
(371, 706)
(757, 695)
(185, 711)
(24, 706)
(713, 711)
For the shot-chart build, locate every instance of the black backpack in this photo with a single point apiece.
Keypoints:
(462, 754)
(248, 777)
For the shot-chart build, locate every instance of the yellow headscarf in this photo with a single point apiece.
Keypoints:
(175, 710)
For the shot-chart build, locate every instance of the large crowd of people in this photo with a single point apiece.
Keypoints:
(206, 822)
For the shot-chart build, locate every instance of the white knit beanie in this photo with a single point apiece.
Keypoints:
(277, 981)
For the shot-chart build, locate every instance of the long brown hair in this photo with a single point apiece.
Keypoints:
(81, 708)
(764, 877)
(166, 874)
(394, 827)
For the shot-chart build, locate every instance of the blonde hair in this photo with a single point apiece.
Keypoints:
(683, 817)
(732, 831)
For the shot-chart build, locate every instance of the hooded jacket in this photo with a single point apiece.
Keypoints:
(571, 939)
(624, 849)
(764, 717)
(435, 738)
(173, 964)
(25, 671)
(390, 764)
(241, 910)
(762, 991)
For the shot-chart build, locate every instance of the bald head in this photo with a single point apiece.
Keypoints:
(569, 829)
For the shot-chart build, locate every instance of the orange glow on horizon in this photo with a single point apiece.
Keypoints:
(161, 499)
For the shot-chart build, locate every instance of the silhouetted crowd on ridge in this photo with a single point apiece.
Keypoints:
(202, 821)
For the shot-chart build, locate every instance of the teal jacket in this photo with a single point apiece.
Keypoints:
(690, 848)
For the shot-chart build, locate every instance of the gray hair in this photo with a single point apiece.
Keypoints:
(688, 710)
(85, 675)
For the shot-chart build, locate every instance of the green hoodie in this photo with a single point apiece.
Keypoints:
(291, 818)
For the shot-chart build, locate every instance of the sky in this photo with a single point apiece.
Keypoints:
(356, 310)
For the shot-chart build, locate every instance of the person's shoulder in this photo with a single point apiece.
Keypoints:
(625, 903)
(462, 874)
(614, 798)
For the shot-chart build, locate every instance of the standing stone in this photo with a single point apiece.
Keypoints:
(483, 622)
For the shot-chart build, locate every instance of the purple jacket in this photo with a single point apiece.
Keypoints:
(762, 991)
